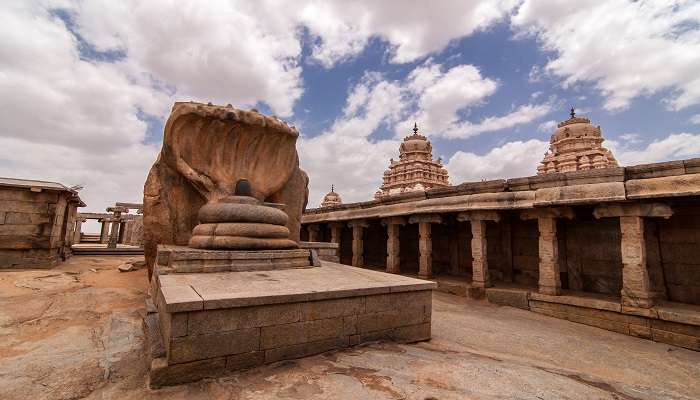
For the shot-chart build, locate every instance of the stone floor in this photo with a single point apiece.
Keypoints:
(75, 332)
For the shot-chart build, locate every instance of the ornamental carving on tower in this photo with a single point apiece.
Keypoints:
(576, 145)
(331, 198)
(415, 170)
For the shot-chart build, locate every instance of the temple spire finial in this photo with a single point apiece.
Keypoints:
(332, 188)
(415, 128)
(573, 113)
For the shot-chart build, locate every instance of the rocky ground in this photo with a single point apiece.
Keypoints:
(75, 332)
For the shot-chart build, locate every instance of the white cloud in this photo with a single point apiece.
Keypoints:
(346, 155)
(412, 30)
(626, 48)
(675, 146)
(443, 96)
(511, 160)
(70, 118)
(224, 52)
(547, 126)
(695, 119)
(521, 115)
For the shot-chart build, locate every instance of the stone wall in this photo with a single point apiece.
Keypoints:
(36, 227)
(525, 238)
(211, 342)
(679, 239)
(590, 254)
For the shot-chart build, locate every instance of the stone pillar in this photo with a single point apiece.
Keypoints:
(78, 228)
(114, 234)
(393, 258)
(481, 278)
(549, 268)
(104, 230)
(313, 232)
(637, 287)
(358, 225)
(425, 243)
(116, 224)
(336, 231)
(550, 280)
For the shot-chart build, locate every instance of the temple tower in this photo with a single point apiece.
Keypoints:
(576, 145)
(415, 169)
(331, 199)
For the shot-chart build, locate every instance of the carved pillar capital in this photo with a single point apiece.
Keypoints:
(649, 210)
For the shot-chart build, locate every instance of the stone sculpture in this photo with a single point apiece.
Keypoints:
(207, 150)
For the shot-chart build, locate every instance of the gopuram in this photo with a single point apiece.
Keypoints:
(583, 240)
(416, 171)
(576, 146)
(231, 285)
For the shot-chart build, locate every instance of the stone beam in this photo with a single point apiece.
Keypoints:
(425, 218)
(479, 215)
(549, 212)
(655, 210)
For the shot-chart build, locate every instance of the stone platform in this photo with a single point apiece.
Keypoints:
(181, 259)
(211, 323)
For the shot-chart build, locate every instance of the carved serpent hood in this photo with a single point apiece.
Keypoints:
(214, 147)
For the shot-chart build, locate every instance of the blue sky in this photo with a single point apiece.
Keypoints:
(485, 80)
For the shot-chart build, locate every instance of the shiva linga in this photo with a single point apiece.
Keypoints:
(242, 222)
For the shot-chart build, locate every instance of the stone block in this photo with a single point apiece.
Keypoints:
(581, 194)
(676, 339)
(639, 331)
(245, 360)
(305, 349)
(692, 166)
(300, 332)
(230, 319)
(508, 297)
(199, 347)
(410, 334)
(655, 170)
(394, 301)
(563, 313)
(180, 298)
(390, 319)
(590, 313)
(350, 325)
(332, 308)
(684, 329)
(162, 374)
(667, 186)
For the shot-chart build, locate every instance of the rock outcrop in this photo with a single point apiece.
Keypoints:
(206, 150)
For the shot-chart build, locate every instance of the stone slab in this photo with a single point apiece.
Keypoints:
(330, 281)
(180, 259)
(508, 297)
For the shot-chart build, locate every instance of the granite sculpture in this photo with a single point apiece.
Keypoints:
(206, 151)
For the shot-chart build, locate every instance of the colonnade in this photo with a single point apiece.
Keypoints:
(638, 289)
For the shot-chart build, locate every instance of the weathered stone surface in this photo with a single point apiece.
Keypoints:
(201, 347)
(506, 297)
(300, 332)
(231, 319)
(206, 150)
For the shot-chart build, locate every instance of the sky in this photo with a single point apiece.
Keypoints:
(87, 85)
